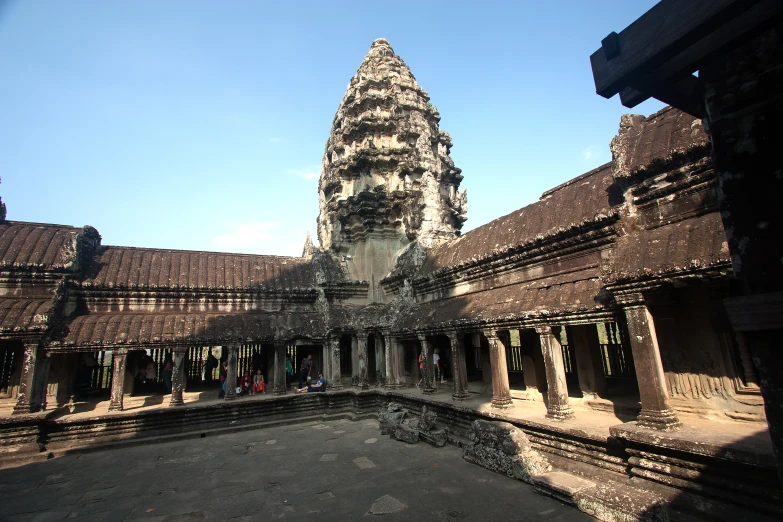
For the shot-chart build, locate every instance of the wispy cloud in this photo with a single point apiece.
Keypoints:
(309, 173)
(274, 139)
(590, 152)
(247, 235)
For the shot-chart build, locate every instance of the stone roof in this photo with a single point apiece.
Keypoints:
(129, 267)
(37, 246)
(574, 203)
(669, 250)
(642, 141)
(519, 302)
(25, 315)
(128, 329)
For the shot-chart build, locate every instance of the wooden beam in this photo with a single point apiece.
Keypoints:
(686, 93)
(658, 36)
(760, 14)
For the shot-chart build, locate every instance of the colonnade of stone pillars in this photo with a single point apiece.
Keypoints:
(557, 390)
(178, 377)
(280, 387)
(119, 360)
(501, 393)
(231, 372)
(656, 411)
(32, 395)
(458, 369)
(426, 353)
(364, 382)
(336, 381)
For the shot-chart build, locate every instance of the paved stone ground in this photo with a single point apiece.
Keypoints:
(338, 470)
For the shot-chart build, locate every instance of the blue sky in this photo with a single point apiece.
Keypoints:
(201, 125)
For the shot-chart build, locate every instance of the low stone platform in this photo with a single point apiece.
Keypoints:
(334, 470)
(718, 486)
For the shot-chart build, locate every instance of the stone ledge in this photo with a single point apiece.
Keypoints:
(693, 441)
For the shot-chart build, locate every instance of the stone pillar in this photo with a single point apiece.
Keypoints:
(179, 354)
(279, 386)
(380, 360)
(748, 372)
(426, 352)
(557, 390)
(394, 361)
(531, 381)
(656, 412)
(458, 370)
(326, 356)
(589, 367)
(361, 340)
(355, 372)
(231, 373)
(119, 359)
(501, 392)
(32, 384)
(336, 377)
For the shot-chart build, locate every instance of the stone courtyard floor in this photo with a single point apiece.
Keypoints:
(336, 470)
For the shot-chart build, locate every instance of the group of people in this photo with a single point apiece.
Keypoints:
(304, 376)
(247, 385)
(436, 362)
(256, 384)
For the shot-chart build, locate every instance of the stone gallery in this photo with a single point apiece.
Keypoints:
(601, 300)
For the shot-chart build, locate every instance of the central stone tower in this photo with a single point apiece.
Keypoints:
(386, 179)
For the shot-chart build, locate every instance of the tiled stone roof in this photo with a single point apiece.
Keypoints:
(37, 246)
(573, 203)
(128, 329)
(127, 267)
(530, 300)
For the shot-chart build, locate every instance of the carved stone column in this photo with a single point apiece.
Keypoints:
(178, 354)
(231, 373)
(459, 372)
(119, 359)
(748, 370)
(380, 360)
(279, 369)
(32, 383)
(394, 361)
(589, 368)
(336, 382)
(531, 380)
(557, 390)
(364, 382)
(326, 355)
(656, 412)
(426, 352)
(501, 392)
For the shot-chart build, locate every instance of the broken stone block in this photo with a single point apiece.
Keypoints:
(612, 502)
(504, 448)
(391, 417)
(437, 438)
(406, 434)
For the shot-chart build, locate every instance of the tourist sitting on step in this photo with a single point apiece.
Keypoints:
(319, 386)
(245, 384)
(259, 386)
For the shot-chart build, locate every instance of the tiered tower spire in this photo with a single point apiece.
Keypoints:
(387, 179)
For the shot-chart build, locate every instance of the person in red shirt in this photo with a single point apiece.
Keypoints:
(245, 383)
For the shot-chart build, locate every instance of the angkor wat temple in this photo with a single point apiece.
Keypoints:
(604, 296)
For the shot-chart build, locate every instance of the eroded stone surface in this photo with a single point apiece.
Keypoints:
(504, 448)
(386, 505)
